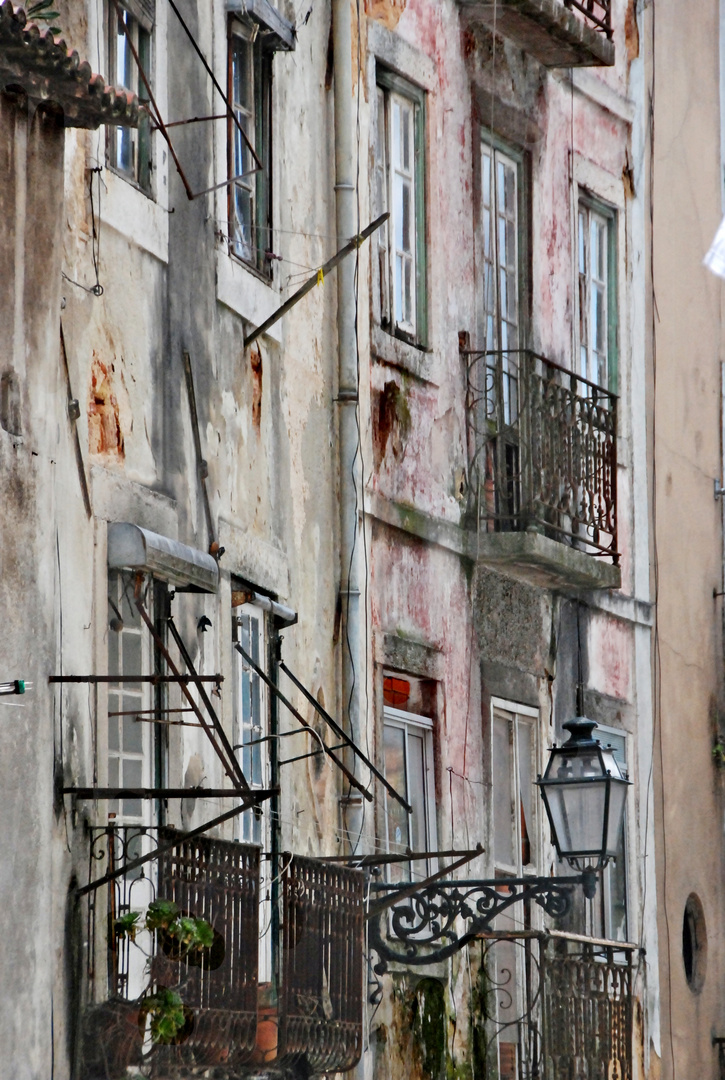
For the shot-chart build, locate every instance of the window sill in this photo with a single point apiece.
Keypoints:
(395, 352)
(135, 215)
(240, 288)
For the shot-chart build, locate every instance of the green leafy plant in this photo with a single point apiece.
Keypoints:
(126, 925)
(718, 754)
(165, 1010)
(161, 914)
(39, 12)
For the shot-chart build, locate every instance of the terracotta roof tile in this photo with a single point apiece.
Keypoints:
(48, 71)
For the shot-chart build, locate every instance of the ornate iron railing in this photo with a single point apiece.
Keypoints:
(321, 993)
(598, 13)
(543, 450)
(208, 879)
(587, 1004)
(556, 1007)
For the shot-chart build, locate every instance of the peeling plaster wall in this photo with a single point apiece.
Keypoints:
(268, 431)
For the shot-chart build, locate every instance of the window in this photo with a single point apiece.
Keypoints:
(399, 179)
(250, 712)
(250, 195)
(596, 244)
(129, 31)
(609, 906)
(136, 752)
(408, 766)
(251, 737)
(515, 854)
(515, 848)
(500, 195)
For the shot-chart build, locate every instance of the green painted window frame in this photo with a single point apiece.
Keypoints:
(610, 213)
(138, 140)
(389, 81)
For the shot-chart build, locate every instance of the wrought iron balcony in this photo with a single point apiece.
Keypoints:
(543, 455)
(559, 33)
(137, 974)
(557, 1005)
(321, 998)
(207, 879)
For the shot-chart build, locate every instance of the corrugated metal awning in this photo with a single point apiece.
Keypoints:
(132, 548)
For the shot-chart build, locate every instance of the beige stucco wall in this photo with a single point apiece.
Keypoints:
(685, 362)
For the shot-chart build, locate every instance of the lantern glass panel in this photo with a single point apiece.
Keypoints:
(577, 813)
(617, 798)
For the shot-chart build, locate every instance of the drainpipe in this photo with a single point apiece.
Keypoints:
(345, 203)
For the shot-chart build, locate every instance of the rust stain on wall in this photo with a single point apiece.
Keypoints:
(392, 421)
(631, 32)
(387, 12)
(104, 426)
(255, 360)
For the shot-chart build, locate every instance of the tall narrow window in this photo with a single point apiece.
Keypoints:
(250, 81)
(251, 734)
(399, 188)
(129, 31)
(501, 307)
(515, 849)
(597, 294)
(130, 733)
(609, 906)
(515, 853)
(251, 739)
(408, 763)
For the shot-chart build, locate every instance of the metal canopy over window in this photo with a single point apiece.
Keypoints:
(279, 32)
(133, 548)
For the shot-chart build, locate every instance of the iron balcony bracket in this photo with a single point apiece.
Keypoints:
(424, 928)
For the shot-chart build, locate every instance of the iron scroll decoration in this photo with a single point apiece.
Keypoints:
(422, 929)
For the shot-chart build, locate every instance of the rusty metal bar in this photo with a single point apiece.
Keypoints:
(195, 120)
(317, 278)
(278, 693)
(202, 469)
(152, 712)
(223, 738)
(233, 769)
(76, 438)
(250, 799)
(153, 679)
(340, 732)
(601, 21)
(417, 886)
(95, 793)
(312, 753)
(381, 860)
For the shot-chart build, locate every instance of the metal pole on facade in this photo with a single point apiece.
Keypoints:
(347, 396)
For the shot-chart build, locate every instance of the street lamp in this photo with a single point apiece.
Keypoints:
(584, 793)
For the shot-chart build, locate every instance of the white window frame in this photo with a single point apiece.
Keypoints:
(596, 360)
(252, 826)
(518, 714)
(509, 958)
(391, 177)
(423, 726)
(599, 910)
(126, 696)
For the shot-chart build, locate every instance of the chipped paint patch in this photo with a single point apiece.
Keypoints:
(388, 12)
(105, 435)
(611, 648)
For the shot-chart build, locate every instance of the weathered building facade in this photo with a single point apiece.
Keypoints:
(328, 590)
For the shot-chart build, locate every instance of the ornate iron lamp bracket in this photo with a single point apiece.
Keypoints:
(425, 927)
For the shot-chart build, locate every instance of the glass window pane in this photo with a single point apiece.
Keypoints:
(525, 751)
(503, 847)
(113, 772)
(406, 116)
(396, 134)
(406, 208)
(131, 652)
(113, 743)
(395, 773)
(132, 735)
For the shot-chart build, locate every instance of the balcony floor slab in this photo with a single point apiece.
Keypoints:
(539, 560)
(556, 36)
